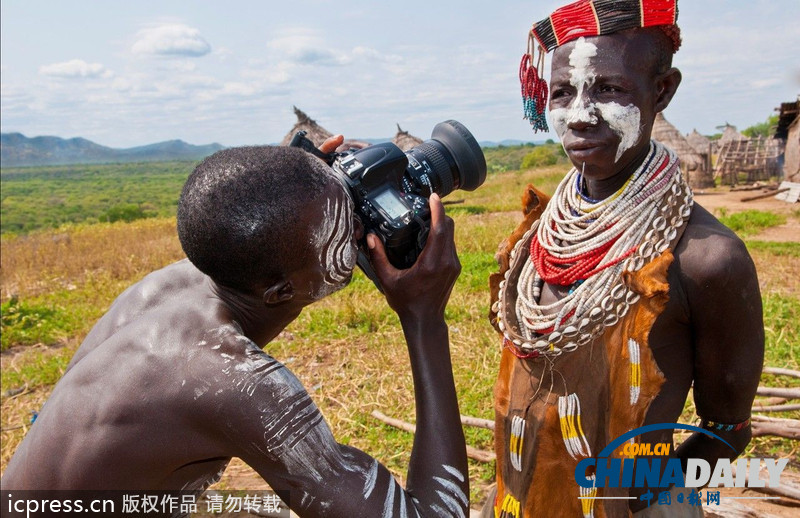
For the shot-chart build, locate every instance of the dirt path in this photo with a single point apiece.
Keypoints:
(731, 201)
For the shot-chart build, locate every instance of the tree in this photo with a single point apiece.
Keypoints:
(541, 156)
(763, 129)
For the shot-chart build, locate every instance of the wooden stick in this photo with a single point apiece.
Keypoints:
(784, 490)
(787, 428)
(781, 420)
(767, 195)
(472, 453)
(761, 429)
(776, 408)
(480, 455)
(391, 421)
(477, 422)
(770, 401)
(788, 393)
(781, 371)
(753, 187)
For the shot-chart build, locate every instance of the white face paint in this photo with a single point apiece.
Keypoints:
(333, 238)
(623, 120)
(581, 77)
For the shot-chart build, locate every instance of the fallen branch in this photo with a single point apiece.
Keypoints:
(477, 422)
(786, 428)
(779, 371)
(775, 408)
(480, 455)
(753, 187)
(784, 490)
(781, 420)
(770, 401)
(788, 393)
(766, 195)
(729, 508)
(472, 453)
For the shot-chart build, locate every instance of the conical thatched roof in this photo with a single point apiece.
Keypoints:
(699, 142)
(316, 133)
(404, 140)
(730, 134)
(692, 164)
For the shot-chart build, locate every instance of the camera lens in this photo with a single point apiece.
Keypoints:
(456, 160)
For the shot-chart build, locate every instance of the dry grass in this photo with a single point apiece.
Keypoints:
(348, 349)
(43, 261)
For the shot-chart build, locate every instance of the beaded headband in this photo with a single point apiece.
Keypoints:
(585, 18)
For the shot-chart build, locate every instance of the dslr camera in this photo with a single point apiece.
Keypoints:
(390, 187)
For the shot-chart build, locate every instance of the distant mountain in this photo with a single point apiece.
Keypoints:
(18, 150)
(482, 143)
(509, 142)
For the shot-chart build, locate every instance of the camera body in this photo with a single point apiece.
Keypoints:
(389, 201)
(390, 187)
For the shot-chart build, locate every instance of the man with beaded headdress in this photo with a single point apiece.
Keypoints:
(618, 294)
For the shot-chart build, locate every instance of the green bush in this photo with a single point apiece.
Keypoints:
(541, 156)
(27, 324)
(126, 212)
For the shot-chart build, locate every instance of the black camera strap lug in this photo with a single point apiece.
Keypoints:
(300, 140)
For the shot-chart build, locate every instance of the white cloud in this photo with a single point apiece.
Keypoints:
(305, 46)
(75, 68)
(171, 40)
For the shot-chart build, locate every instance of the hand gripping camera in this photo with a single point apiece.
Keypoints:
(390, 188)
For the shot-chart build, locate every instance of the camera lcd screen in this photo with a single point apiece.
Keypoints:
(389, 202)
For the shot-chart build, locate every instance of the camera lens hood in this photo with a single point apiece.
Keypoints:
(466, 153)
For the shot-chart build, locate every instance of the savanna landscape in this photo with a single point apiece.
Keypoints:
(74, 237)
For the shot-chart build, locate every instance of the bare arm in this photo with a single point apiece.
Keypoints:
(419, 296)
(728, 333)
(279, 431)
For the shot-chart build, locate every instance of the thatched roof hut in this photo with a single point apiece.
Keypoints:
(730, 134)
(404, 140)
(791, 165)
(789, 131)
(693, 165)
(314, 132)
(699, 142)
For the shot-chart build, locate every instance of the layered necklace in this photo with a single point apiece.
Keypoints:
(586, 244)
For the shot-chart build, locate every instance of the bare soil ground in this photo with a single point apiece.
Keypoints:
(731, 202)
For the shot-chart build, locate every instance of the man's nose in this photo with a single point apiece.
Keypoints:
(584, 115)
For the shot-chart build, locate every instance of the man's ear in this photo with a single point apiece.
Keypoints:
(666, 86)
(279, 293)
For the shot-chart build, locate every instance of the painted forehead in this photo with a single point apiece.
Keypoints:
(337, 210)
(623, 54)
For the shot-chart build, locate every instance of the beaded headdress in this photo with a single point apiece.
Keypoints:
(585, 18)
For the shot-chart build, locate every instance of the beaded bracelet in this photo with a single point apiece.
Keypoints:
(722, 427)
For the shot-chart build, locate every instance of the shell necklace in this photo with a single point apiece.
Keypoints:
(587, 244)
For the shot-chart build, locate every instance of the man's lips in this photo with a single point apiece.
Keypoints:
(583, 145)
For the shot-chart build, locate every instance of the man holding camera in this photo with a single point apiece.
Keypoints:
(172, 381)
(619, 294)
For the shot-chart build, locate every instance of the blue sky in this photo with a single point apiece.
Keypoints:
(131, 73)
